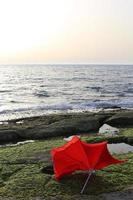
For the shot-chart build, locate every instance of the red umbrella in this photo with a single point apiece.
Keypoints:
(79, 155)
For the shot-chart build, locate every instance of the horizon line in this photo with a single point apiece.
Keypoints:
(66, 64)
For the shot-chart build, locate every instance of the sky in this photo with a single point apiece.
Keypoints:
(66, 31)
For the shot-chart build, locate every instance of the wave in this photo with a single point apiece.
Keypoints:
(129, 90)
(97, 88)
(121, 94)
(42, 93)
(5, 91)
(81, 87)
(61, 106)
(15, 102)
(95, 104)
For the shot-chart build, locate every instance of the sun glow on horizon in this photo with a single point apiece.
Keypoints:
(39, 31)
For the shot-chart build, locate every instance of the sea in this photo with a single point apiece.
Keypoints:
(34, 90)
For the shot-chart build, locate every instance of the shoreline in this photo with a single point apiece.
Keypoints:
(52, 125)
(23, 166)
(69, 112)
(93, 112)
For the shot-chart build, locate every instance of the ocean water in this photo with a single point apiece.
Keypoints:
(32, 90)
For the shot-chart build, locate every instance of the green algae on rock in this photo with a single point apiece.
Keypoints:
(21, 176)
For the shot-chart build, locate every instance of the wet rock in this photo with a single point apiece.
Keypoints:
(8, 136)
(122, 119)
(64, 127)
(130, 140)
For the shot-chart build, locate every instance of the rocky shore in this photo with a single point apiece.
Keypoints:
(23, 173)
(53, 125)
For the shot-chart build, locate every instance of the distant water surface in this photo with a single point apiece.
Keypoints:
(30, 90)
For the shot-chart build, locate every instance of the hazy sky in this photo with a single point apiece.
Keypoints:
(66, 31)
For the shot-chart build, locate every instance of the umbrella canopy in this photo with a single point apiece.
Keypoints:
(79, 155)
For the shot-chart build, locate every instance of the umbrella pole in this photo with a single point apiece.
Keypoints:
(90, 173)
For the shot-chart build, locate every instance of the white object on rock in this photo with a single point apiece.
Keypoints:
(4, 122)
(70, 137)
(17, 144)
(108, 130)
(20, 122)
(120, 148)
(24, 142)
